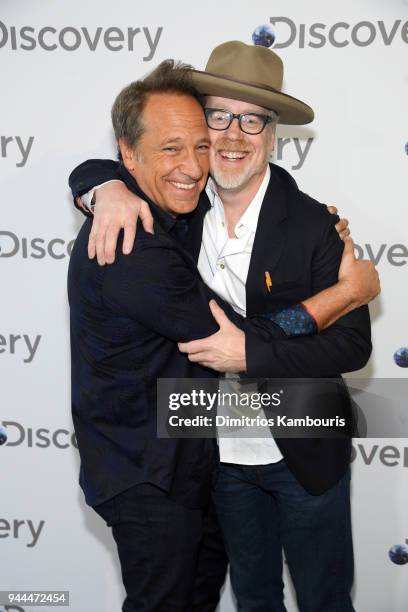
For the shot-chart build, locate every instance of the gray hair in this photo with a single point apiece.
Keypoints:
(127, 111)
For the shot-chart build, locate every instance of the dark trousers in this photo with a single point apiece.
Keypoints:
(172, 557)
(263, 509)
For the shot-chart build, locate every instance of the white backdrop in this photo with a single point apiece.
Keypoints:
(57, 87)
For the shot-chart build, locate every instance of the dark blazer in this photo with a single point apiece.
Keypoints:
(296, 242)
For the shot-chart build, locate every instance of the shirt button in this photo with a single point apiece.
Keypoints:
(222, 266)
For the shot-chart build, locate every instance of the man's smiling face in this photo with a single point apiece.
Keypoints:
(170, 161)
(237, 158)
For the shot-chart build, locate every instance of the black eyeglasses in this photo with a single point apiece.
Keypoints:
(250, 123)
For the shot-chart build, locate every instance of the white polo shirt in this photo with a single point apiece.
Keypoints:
(223, 264)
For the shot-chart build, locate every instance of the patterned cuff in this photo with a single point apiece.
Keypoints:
(295, 321)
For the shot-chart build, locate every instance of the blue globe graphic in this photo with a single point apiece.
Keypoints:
(401, 357)
(3, 435)
(399, 554)
(263, 35)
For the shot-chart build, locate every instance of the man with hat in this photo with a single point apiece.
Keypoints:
(266, 246)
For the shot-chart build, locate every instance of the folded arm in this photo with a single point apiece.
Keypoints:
(343, 347)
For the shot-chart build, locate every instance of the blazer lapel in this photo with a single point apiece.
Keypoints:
(270, 238)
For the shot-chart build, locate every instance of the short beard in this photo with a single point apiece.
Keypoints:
(227, 180)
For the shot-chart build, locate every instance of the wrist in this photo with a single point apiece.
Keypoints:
(349, 294)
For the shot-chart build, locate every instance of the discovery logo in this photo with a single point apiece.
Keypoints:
(23, 530)
(395, 254)
(401, 357)
(295, 147)
(263, 35)
(11, 146)
(398, 554)
(340, 34)
(48, 38)
(388, 456)
(12, 245)
(16, 434)
(20, 345)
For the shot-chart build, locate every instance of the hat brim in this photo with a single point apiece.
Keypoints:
(291, 111)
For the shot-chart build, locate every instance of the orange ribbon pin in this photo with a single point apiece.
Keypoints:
(268, 281)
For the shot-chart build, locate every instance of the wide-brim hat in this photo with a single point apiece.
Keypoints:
(251, 73)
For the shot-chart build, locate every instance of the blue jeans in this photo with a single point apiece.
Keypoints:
(263, 509)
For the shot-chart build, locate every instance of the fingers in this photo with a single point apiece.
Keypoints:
(218, 313)
(195, 346)
(129, 237)
(348, 248)
(130, 224)
(146, 217)
(116, 208)
(342, 228)
(332, 210)
(100, 243)
(96, 242)
(92, 242)
(104, 237)
(198, 357)
(344, 233)
(111, 239)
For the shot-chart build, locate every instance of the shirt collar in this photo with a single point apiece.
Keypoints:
(250, 217)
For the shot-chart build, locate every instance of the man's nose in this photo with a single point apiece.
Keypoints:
(234, 132)
(192, 165)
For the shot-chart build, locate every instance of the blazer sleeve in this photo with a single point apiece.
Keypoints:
(155, 286)
(91, 173)
(343, 347)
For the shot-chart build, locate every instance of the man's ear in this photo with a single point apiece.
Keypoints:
(127, 153)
